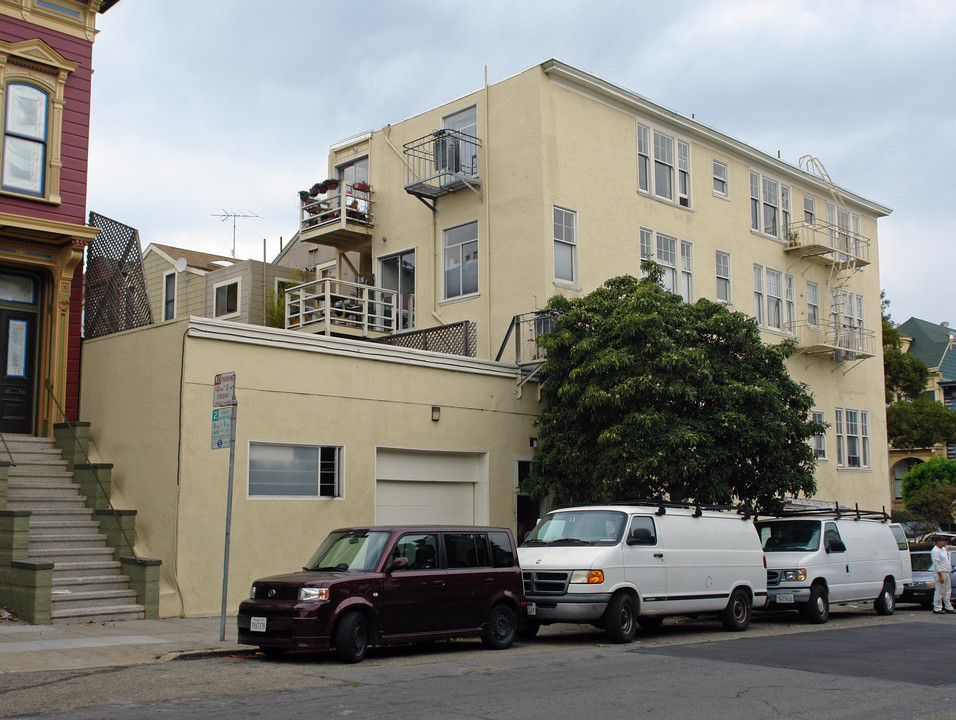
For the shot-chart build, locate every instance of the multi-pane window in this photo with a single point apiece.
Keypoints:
(668, 170)
(789, 303)
(774, 304)
(667, 259)
(774, 300)
(853, 441)
(24, 139)
(226, 299)
(687, 271)
(758, 294)
(723, 276)
(769, 205)
(565, 245)
(809, 211)
(813, 304)
(770, 208)
(820, 439)
(294, 470)
(463, 151)
(169, 296)
(721, 187)
(461, 260)
(785, 208)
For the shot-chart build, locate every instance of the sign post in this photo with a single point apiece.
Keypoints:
(224, 414)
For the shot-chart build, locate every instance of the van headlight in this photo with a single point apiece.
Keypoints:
(797, 575)
(587, 577)
(309, 593)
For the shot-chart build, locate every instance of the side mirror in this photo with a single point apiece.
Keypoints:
(399, 563)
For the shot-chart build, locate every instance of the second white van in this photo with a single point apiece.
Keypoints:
(620, 567)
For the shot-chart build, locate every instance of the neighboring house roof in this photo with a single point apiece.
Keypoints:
(931, 344)
(194, 258)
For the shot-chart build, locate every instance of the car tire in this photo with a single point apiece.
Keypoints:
(817, 610)
(736, 616)
(650, 622)
(530, 630)
(885, 604)
(351, 637)
(501, 628)
(620, 619)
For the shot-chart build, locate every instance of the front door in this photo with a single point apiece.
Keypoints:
(398, 274)
(17, 382)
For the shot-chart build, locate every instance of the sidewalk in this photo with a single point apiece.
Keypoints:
(27, 648)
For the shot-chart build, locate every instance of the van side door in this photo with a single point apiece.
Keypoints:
(836, 566)
(645, 565)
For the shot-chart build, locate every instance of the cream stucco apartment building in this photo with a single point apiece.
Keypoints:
(464, 220)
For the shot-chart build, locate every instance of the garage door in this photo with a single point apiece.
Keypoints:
(420, 488)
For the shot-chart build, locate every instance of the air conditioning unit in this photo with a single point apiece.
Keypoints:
(447, 154)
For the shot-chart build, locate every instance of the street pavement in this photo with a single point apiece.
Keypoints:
(29, 648)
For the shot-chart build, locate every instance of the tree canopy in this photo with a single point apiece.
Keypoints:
(920, 423)
(646, 396)
(934, 471)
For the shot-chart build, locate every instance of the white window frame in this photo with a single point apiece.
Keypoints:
(565, 223)
(758, 294)
(667, 254)
(237, 281)
(813, 304)
(723, 276)
(167, 300)
(770, 212)
(687, 271)
(809, 211)
(456, 256)
(465, 121)
(721, 179)
(328, 471)
(819, 439)
(647, 247)
(853, 441)
(664, 170)
(789, 303)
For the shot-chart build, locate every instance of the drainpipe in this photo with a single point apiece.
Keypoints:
(486, 143)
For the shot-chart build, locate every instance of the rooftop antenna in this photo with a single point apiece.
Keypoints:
(224, 215)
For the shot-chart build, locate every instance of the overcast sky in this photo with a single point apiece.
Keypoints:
(205, 107)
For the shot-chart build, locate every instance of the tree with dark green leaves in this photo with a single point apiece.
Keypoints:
(931, 507)
(932, 472)
(648, 397)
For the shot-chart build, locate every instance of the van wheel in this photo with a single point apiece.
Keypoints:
(351, 637)
(736, 616)
(817, 610)
(501, 628)
(885, 604)
(650, 622)
(620, 619)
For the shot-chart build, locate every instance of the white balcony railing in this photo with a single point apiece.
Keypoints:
(828, 244)
(355, 309)
(826, 336)
(326, 208)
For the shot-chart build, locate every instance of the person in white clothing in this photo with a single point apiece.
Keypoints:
(942, 567)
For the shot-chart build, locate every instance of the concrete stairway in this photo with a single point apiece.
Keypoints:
(87, 584)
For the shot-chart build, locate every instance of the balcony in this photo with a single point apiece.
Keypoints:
(345, 308)
(441, 163)
(339, 216)
(828, 245)
(827, 337)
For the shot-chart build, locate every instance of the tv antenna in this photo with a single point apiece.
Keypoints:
(224, 215)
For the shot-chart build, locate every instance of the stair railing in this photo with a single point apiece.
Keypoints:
(6, 449)
(76, 441)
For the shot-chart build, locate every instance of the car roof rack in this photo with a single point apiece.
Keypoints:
(838, 512)
(662, 507)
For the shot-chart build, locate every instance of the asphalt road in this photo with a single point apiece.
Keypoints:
(858, 665)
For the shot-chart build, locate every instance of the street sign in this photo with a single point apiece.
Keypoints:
(221, 428)
(224, 390)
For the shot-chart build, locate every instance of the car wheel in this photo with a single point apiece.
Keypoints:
(650, 622)
(351, 637)
(817, 610)
(620, 619)
(885, 604)
(501, 628)
(530, 630)
(736, 616)
(273, 653)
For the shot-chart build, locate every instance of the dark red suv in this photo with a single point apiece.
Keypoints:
(378, 585)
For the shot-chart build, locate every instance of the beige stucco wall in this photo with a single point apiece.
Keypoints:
(291, 389)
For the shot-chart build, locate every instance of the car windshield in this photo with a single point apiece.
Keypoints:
(581, 527)
(922, 561)
(790, 535)
(352, 550)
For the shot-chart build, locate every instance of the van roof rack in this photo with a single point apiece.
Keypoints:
(837, 512)
(662, 506)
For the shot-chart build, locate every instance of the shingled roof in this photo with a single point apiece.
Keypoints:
(931, 344)
(194, 258)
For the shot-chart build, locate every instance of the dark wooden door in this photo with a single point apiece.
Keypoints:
(17, 370)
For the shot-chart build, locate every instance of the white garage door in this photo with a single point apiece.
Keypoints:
(423, 488)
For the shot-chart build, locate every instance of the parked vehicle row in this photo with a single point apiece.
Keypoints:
(617, 567)
(923, 586)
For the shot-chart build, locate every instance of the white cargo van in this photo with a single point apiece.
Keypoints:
(833, 556)
(619, 566)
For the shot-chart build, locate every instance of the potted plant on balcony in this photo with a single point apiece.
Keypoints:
(362, 187)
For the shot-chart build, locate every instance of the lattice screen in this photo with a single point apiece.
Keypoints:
(116, 295)
(455, 339)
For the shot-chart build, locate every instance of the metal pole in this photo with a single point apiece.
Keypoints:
(225, 559)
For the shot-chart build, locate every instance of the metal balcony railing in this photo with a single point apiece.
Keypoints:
(440, 163)
(826, 336)
(828, 244)
(346, 206)
(323, 305)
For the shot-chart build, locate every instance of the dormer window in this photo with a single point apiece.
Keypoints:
(24, 139)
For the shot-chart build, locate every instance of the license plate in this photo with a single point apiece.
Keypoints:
(532, 609)
(781, 598)
(257, 624)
